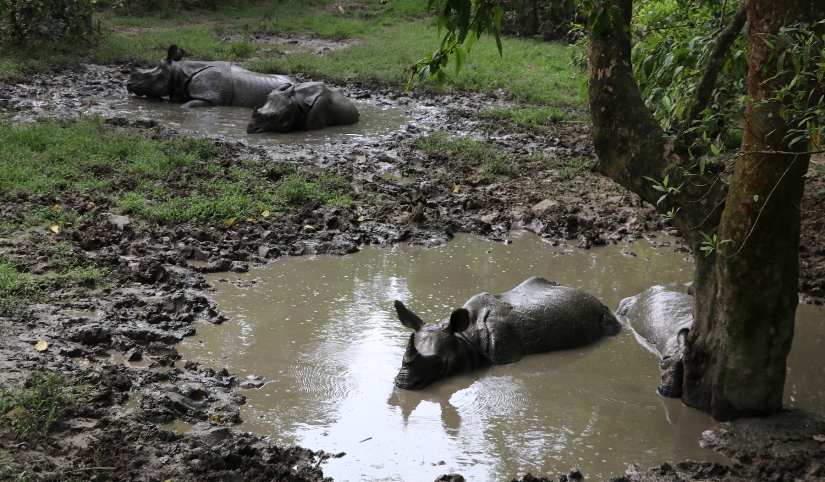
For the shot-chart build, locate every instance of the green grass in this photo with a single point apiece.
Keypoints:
(164, 182)
(525, 116)
(458, 152)
(529, 71)
(389, 39)
(40, 404)
(17, 290)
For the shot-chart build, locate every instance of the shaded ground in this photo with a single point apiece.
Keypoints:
(403, 192)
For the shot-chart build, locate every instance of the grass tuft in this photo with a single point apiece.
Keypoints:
(460, 152)
(40, 403)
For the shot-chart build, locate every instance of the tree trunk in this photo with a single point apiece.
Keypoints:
(746, 291)
(745, 296)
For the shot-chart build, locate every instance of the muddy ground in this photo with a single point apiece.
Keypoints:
(152, 297)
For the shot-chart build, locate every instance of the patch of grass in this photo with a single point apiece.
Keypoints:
(40, 403)
(17, 290)
(464, 151)
(530, 71)
(526, 116)
(160, 181)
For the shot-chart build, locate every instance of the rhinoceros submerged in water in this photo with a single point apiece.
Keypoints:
(537, 316)
(306, 106)
(203, 84)
(662, 318)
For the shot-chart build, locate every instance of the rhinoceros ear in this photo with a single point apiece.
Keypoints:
(174, 53)
(681, 337)
(459, 320)
(407, 317)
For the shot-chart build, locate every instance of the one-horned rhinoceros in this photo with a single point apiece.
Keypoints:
(536, 316)
(306, 106)
(202, 84)
(662, 318)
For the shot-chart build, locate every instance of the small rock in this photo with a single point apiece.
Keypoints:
(239, 267)
(548, 205)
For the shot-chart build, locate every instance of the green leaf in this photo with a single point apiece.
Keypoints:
(661, 199)
(460, 56)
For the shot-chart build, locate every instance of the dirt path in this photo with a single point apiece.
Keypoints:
(153, 298)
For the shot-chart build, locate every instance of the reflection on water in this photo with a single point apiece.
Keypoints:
(230, 122)
(323, 332)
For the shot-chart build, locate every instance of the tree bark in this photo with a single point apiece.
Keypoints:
(746, 297)
(745, 293)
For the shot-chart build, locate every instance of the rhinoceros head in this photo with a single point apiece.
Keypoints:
(158, 81)
(433, 351)
(673, 369)
(280, 113)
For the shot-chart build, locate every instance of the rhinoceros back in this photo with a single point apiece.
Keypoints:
(209, 81)
(535, 317)
(251, 88)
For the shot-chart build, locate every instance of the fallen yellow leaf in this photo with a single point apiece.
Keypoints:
(56, 207)
(229, 222)
(17, 414)
(55, 229)
(361, 219)
(41, 345)
(250, 220)
(92, 204)
(455, 187)
(265, 213)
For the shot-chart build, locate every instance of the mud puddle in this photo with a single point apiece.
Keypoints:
(377, 120)
(322, 333)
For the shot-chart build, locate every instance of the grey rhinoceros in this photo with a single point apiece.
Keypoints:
(662, 319)
(305, 106)
(536, 316)
(203, 84)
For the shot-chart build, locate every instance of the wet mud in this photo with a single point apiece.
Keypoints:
(120, 338)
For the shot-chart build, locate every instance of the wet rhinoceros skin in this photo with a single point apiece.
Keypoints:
(535, 317)
(661, 318)
(201, 84)
(304, 106)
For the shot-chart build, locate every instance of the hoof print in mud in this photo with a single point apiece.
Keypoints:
(537, 316)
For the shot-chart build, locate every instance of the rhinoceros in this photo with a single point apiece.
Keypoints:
(537, 316)
(662, 319)
(305, 106)
(203, 84)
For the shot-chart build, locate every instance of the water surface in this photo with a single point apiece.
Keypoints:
(323, 332)
(230, 122)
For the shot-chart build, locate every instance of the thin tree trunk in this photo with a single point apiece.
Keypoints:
(745, 296)
(746, 293)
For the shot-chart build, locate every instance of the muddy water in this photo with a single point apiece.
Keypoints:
(323, 333)
(230, 122)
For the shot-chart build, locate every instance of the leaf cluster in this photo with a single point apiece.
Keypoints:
(674, 41)
(46, 19)
(463, 22)
(797, 57)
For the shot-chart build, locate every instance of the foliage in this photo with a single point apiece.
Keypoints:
(463, 22)
(541, 19)
(798, 55)
(40, 404)
(674, 40)
(16, 290)
(46, 19)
